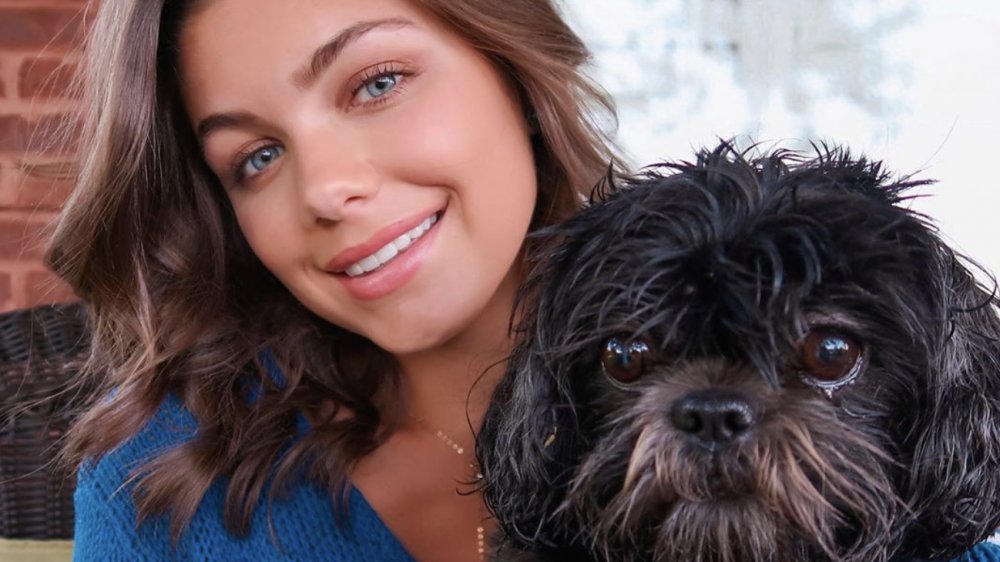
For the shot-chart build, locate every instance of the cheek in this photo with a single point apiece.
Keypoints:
(266, 223)
(474, 142)
(466, 122)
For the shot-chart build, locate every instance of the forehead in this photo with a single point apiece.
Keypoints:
(246, 23)
(229, 46)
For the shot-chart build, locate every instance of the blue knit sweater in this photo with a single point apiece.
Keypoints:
(304, 521)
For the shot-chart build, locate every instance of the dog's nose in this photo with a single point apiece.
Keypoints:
(713, 417)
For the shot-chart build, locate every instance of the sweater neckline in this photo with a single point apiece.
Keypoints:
(388, 536)
(358, 498)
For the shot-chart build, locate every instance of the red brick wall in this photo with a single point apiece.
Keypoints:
(38, 54)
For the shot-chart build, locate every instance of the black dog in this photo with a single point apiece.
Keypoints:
(745, 361)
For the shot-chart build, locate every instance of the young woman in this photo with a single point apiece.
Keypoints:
(299, 227)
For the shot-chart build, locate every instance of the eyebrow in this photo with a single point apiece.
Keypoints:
(217, 121)
(325, 55)
(305, 76)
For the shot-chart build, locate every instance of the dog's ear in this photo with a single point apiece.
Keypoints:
(528, 446)
(955, 474)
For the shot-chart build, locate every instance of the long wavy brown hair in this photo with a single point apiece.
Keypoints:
(181, 305)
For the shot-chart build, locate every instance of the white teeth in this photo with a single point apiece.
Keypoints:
(369, 263)
(386, 253)
(416, 232)
(402, 243)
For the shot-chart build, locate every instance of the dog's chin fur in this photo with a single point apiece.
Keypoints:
(722, 267)
(793, 491)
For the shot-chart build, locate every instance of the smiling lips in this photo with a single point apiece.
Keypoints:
(385, 269)
(386, 253)
(383, 247)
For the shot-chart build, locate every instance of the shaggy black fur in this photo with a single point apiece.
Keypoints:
(816, 375)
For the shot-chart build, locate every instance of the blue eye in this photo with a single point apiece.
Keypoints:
(381, 85)
(260, 159)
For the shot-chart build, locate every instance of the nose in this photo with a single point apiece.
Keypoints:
(712, 416)
(336, 175)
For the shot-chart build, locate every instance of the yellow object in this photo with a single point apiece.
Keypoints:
(23, 550)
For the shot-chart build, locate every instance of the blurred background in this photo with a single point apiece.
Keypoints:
(913, 82)
(38, 56)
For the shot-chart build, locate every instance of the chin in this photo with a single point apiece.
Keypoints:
(415, 335)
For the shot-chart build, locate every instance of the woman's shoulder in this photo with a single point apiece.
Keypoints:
(170, 425)
(982, 552)
(304, 520)
(106, 516)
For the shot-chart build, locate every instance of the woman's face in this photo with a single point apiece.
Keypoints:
(379, 166)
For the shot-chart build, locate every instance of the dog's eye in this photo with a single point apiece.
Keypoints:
(625, 361)
(829, 355)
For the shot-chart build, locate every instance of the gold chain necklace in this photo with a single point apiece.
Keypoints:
(460, 450)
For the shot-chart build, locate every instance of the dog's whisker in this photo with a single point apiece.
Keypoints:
(641, 457)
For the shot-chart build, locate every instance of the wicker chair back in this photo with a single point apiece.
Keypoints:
(41, 351)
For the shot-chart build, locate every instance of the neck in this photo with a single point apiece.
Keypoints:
(449, 387)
